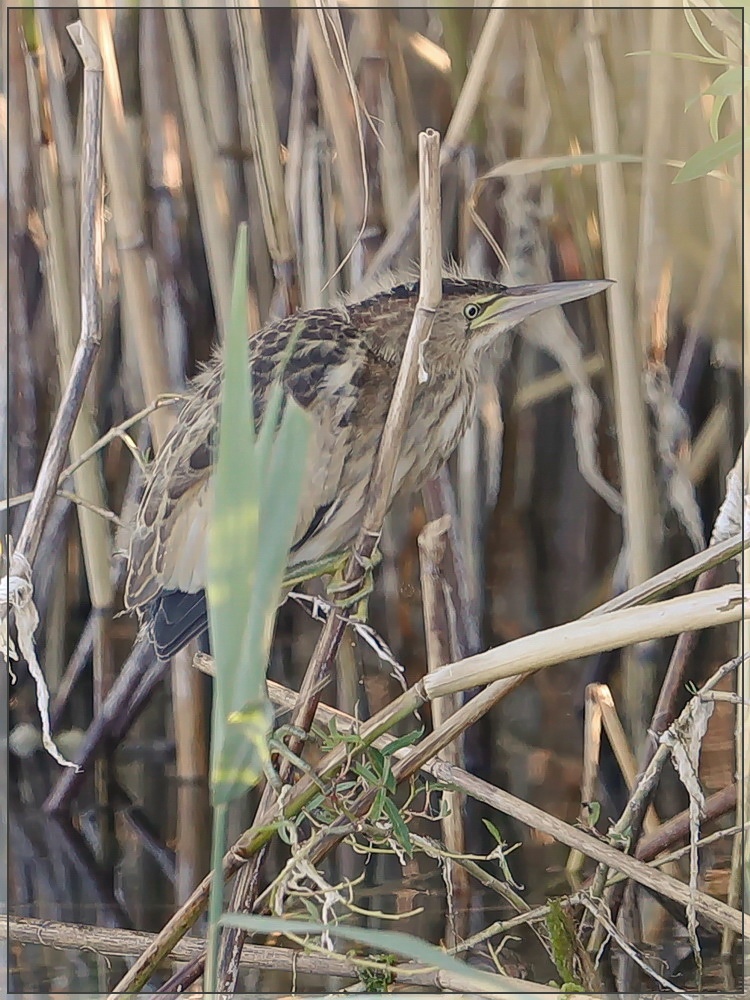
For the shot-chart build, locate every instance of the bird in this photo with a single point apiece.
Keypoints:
(342, 371)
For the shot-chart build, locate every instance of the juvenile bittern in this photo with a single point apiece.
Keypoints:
(342, 371)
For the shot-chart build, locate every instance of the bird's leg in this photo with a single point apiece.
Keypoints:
(303, 571)
(346, 594)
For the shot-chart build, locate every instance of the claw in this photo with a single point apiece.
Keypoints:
(347, 594)
(342, 592)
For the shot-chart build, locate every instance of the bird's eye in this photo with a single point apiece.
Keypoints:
(472, 310)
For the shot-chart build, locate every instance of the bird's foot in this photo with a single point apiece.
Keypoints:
(356, 593)
(304, 571)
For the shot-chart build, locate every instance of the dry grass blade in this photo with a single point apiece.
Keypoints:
(336, 100)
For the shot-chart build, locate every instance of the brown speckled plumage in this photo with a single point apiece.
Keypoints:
(342, 371)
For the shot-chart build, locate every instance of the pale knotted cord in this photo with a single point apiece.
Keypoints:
(734, 513)
(17, 595)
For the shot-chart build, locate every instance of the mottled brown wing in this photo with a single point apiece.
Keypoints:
(167, 550)
(174, 506)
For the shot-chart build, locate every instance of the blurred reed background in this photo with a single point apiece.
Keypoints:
(305, 125)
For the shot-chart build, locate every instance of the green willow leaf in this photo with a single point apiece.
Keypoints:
(708, 159)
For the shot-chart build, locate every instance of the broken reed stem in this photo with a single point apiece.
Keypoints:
(118, 942)
(381, 482)
(720, 606)
(381, 487)
(439, 611)
(95, 533)
(600, 710)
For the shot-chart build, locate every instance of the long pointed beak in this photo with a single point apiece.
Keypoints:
(519, 303)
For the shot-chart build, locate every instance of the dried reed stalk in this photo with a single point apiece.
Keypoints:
(142, 325)
(720, 606)
(638, 488)
(254, 86)
(49, 122)
(213, 213)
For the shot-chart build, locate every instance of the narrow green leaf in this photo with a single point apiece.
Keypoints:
(377, 760)
(400, 829)
(403, 741)
(691, 56)
(494, 831)
(727, 84)
(378, 803)
(389, 779)
(713, 121)
(708, 159)
(365, 772)
(696, 30)
(256, 486)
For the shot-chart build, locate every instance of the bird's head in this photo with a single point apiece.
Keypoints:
(473, 313)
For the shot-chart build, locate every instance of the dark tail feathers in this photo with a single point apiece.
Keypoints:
(176, 618)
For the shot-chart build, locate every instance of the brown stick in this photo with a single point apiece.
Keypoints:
(678, 827)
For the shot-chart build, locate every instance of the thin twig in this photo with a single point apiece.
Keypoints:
(632, 815)
(114, 432)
